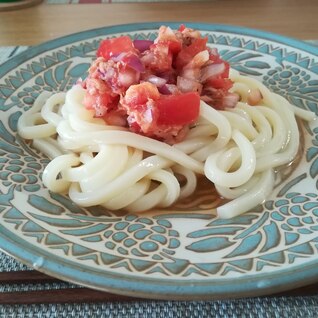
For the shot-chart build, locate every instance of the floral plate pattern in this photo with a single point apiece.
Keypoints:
(185, 252)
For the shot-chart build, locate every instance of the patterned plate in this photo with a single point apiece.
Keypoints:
(181, 253)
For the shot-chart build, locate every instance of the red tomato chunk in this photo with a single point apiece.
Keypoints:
(115, 46)
(154, 87)
(180, 109)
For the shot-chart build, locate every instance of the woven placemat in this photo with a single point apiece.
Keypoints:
(262, 307)
(267, 307)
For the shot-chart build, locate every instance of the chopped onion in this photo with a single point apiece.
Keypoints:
(169, 76)
(118, 57)
(168, 89)
(206, 98)
(128, 78)
(142, 45)
(134, 62)
(156, 80)
(115, 119)
(188, 85)
(191, 73)
(131, 60)
(110, 73)
(147, 58)
(198, 60)
(230, 100)
(165, 34)
(214, 51)
(212, 70)
(101, 73)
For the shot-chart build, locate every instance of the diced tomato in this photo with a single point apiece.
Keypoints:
(135, 127)
(174, 47)
(188, 52)
(181, 27)
(161, 58)
(178, 109)
(141, 93)
(215, 58)
(167, 36)
(118, 87)
(219, 82)
(99, 102)
(226, 72)
(115, 46)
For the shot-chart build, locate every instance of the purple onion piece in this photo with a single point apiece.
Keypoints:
(168, 89)
(135, 63)
(164, 90)
(142, 45)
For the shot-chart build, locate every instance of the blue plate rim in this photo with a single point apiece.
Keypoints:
(260, 284)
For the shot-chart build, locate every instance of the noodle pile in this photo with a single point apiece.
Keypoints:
(237, 149)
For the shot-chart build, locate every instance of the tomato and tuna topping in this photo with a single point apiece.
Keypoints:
(154, 87)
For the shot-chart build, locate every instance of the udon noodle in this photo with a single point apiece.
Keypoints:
(237, 149)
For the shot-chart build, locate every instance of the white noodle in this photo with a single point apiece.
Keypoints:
(97, 164)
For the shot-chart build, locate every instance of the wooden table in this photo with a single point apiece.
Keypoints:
(43, 22)
(46, 21)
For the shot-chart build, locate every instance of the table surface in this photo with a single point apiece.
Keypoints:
(44, 22)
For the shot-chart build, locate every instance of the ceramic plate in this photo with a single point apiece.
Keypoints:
(181, 253)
